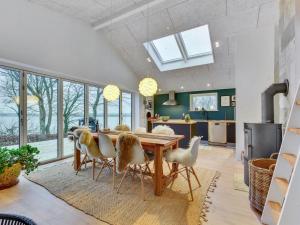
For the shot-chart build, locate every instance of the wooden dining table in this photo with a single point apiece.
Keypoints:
(156, 143)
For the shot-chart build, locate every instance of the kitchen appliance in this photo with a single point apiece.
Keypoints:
(171, 100)
(217, 133)
(263, 139)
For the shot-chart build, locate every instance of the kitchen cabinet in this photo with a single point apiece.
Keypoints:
(202, 130)
(231, 136)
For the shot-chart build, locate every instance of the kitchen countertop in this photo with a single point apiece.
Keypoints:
(177, 121)
(173, 121)
(226, 121)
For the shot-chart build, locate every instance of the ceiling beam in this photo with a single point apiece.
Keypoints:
(137, 8)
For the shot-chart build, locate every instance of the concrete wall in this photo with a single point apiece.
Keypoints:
(36, 38)
(254, 72)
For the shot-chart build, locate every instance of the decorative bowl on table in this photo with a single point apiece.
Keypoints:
(105, 130)
(165, 118)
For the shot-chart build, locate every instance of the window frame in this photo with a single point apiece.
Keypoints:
(192, 109)
(186, 61)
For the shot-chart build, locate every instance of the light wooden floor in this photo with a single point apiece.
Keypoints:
(229, 207)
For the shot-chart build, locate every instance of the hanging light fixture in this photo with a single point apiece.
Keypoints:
(148, 86)
(111, 92)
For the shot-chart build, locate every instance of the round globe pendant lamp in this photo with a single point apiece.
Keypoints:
(111, 92)
(148, 87)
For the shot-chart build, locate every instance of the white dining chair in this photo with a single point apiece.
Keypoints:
(186, 158)
(109, 154)
(136, 160)
(83, 152)
(140, 130)
(87, 141)
(82, 149)
(163, 129)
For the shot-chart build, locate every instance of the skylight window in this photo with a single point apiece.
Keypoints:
(167, 49)
(197, 41)
(181, 50)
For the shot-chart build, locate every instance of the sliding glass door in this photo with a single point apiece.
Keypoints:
(96, 107)
(127, 109)
(113, 113)
(41, 110)
(73, 112)
(42, 115)
(9, 107)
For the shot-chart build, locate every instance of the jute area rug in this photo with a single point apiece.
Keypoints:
(238, 181)
(98, 199)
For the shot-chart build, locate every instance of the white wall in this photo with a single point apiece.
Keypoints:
(289, 44)
(37, 37)
(254, 72)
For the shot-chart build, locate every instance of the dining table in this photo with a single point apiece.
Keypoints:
(156, 143)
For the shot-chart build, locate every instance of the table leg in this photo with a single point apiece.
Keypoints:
(175, 165)
(77, 158)
(158, 174)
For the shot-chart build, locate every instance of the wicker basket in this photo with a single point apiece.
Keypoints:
(260, 176)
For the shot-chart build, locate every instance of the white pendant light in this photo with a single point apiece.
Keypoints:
(111, 92)
(148, 87)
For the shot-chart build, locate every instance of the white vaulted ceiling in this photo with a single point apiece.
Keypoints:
(126, 29)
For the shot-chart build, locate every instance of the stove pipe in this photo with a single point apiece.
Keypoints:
(267, 100)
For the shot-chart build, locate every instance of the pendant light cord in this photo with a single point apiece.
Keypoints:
(147, 33)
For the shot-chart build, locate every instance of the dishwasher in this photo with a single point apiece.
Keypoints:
(217, 132)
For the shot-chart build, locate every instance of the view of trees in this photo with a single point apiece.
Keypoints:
(41, 103)
(9, 108)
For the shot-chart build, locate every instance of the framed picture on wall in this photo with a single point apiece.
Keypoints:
(225, 100)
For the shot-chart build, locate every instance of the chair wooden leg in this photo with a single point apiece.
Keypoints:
(147, 169)
(94, 165)
(189, 181)
(122, 179)
(102, 166)
(114, 172)
(79, 168)
(193, 171)
(142, 183)
(170, 169)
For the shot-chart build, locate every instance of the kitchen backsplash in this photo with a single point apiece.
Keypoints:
(183, 100)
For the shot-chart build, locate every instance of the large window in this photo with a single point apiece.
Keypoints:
(9, 107)
(201, 102)
(42, 115)
(96, 107)
(73, 111)
(126, 109)
(40, 110)
(113, 113)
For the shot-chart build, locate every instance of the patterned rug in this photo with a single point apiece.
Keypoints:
(238, 181)
(98, 199)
